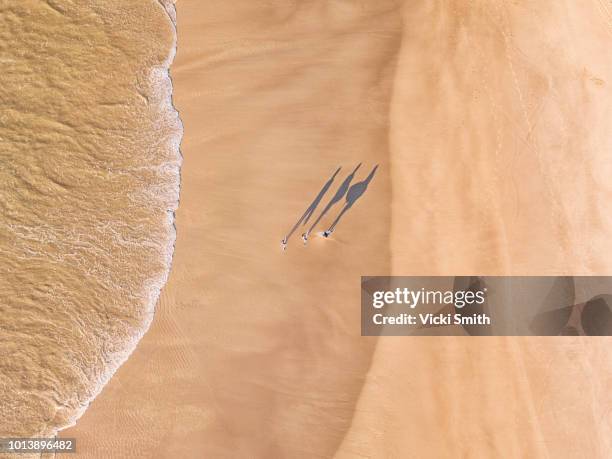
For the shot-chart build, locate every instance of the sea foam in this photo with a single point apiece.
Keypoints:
(89, 184)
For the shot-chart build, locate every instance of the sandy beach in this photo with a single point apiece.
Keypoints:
(489, 123)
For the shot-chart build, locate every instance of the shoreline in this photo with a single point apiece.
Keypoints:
(164, 82)
(253, 349)
(226, 181)
(89, 185)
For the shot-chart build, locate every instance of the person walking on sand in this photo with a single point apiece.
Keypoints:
(310, 210)
(353, 194)
(337, 197)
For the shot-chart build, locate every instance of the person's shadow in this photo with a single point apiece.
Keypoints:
(337, 197)
(310, 210)
(353, 194)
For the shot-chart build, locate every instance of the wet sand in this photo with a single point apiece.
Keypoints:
(489, 124)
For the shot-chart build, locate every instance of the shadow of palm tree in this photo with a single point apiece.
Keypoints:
(310, 210)
(344, 187)
(353, 194)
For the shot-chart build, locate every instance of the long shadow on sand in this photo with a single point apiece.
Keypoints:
(352, 196)
(310, 210)
(344, 187)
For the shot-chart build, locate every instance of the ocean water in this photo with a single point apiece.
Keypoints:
(89, 182)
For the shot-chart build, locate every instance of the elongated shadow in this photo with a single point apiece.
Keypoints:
(352, 196)
(310, 210)
(344, 187)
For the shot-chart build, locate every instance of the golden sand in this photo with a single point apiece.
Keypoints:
(490, 122)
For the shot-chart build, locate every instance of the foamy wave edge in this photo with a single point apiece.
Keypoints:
(161, 76)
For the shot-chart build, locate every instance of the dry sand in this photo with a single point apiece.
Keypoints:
(490, 122)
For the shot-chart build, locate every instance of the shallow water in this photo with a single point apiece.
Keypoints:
(89, 181)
